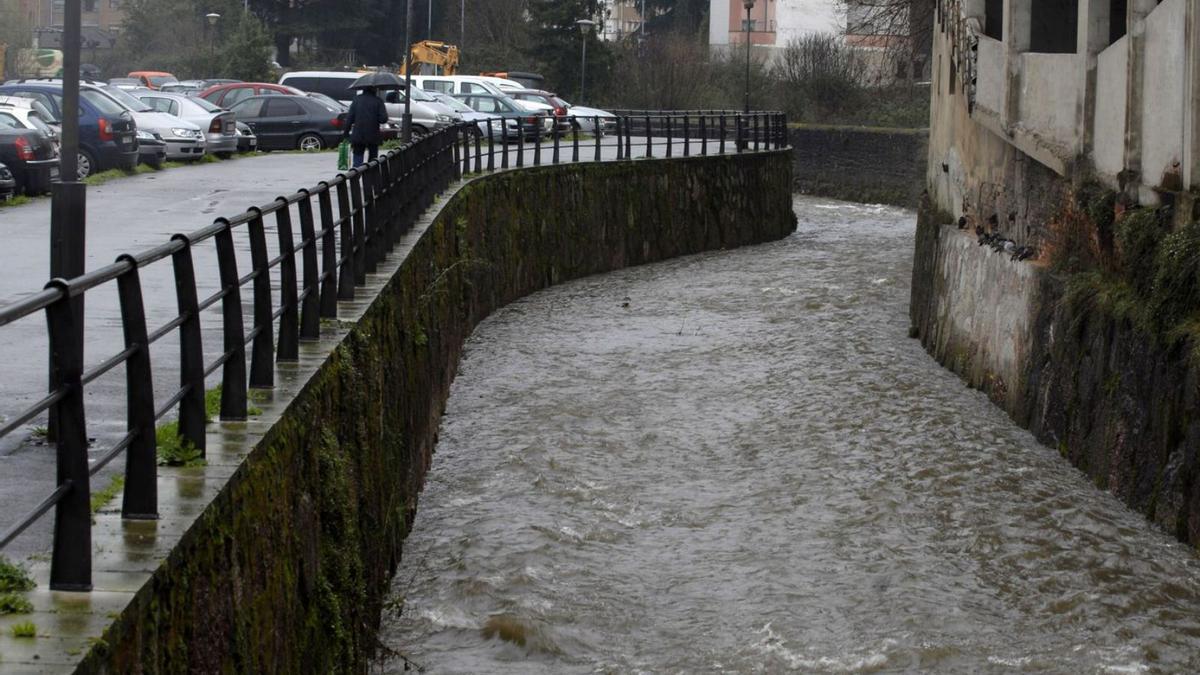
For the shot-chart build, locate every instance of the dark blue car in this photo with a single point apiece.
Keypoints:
(107, 132)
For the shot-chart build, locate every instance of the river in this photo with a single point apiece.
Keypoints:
(739, 462)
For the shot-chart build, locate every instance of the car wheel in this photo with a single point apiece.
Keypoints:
(418, 130)
(86, 164)
(310, 143)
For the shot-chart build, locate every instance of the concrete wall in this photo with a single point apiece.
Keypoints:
(990, 84)
(860, 164)
(1109, 136)
(1163, 89)
(1050, 91)
(285, 570)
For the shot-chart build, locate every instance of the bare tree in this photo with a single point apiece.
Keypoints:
(901, 29)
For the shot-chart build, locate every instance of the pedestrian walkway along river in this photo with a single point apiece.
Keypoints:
(738, 462)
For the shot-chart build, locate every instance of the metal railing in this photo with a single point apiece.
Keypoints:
(376, 204)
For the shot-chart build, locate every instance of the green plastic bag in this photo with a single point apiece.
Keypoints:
(344, 155)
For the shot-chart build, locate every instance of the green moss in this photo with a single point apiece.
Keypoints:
(1175, 295)
(19, 200)
(1138, 234)
(13, 577)
(101, 498)
(174, 450)
(12, 603)
(24, 629)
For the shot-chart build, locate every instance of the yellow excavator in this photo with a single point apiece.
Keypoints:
(433, 58)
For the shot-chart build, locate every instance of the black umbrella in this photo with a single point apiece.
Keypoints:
(379, 80)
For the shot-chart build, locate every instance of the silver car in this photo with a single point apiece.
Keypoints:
(184, 140)
(219, 126)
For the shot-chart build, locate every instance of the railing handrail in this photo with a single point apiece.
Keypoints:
(376, 204)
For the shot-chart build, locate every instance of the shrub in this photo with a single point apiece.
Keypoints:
(1138, 235)
(13, 577)
(12, 603)
(25, 629)
(1175, 293)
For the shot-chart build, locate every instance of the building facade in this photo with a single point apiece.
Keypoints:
(772, 22)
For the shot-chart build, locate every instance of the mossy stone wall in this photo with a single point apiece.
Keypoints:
(286, 570)
(860, 164)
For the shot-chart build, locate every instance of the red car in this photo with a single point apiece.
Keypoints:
(225, 95)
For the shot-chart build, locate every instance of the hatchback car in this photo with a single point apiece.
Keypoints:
(226, 95)
(517, 120)
(29, 113)
(183, 140)
(219, 126)
(291, 122)
(107, 131)
(562, 121)
(30, 156)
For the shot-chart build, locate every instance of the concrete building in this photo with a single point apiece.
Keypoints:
(773, 22)
(621, 18)
(103, 14)
(1107, 88)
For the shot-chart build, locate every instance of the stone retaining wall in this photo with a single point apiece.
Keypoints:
(286, 569)
(860, 164)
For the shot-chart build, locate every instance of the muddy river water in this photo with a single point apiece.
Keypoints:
(739, 462)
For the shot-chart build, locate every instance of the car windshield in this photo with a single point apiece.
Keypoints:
(159, 80)
(208, 107)
(419, 94)
(37, 121)
(455, 104)
(131, 102)
(103, 102)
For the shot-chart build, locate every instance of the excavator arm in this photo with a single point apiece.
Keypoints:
(441, 56)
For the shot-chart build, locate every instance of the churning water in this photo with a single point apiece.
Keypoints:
(738, 462)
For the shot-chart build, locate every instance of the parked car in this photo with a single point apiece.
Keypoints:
(227, 94)
(30, 156)
(219, 126)
(427, 114)
(291, 122)
(152, 149)
(517, 120)
(247, 140)
(125, 82)
(182, 140)
(31, 114)
(557, 106)
(468, 113)
(585, 119)
(8, 184)
(190, 88)
(153, 79)
(457, 84)
(107, 131)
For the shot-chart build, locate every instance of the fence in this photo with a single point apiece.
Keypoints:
(376, 204)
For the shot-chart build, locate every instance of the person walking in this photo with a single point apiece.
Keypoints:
(367, 113)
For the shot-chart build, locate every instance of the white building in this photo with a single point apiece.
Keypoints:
(773, 22)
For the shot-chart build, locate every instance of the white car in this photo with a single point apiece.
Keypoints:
(184, 140)
(585, 118)
(219, 126)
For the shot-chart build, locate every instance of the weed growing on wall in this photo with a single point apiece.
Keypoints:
(25, 629)
(13, 577)
(11, 603)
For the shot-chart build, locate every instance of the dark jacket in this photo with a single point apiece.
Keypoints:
(367, 112)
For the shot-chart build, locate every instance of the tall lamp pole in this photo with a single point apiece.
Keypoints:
(749, 5)
(213, 18)
(406, 120)
(585, 28)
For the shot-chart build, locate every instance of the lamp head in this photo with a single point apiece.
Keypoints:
(585, 26)
(748, 4)
(212, 17)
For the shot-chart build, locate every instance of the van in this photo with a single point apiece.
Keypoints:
(456, 85)
(428, 115)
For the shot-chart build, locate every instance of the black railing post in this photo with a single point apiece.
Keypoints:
(347, 275)
(756, 116)
(537, 145)
(554, 134)
(686, 132)
(520, 144)
(140, 499)
(71, 559)
(620, 142)
(262, 357)
(504, 141)
(575, 141)
(474, 131)
(466, 143)
(310, 306)
(458, 172)
(628, 139)
(491, 147)
(703, 134)
(599, 132)
(233, 374)
(649, 148)
(366, 187)
(741, 141)
(722, 133)
(670, 136)
(329, 263)
(192, 414)
(358, 217)
(288, 348)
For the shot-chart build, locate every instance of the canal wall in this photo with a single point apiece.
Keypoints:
(286, 569)
(860, 164)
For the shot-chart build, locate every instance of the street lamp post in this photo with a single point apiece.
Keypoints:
(406, 120)
(213, 18)
(585, 28)
(749, 4)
